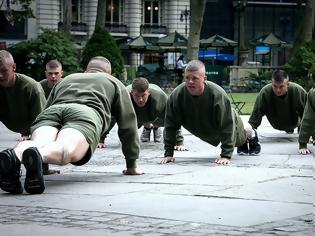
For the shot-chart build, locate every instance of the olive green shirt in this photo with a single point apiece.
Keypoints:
(152, 112)
(44, 84)
(20, 104)
(154, 109)
(308, 122)
(209, 117)
(108, 97)
(284, 112)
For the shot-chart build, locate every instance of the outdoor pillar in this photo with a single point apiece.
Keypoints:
(134, 18)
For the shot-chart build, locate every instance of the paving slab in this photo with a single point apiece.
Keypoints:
(271, 193)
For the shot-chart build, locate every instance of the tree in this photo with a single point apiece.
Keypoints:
(101, 10)
(32, 55)
(12, 15)
(242, 49)
(102, 43)
(306, 26)
(197, 9)
(301, 66)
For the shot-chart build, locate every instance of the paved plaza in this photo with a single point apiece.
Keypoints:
(269, 194)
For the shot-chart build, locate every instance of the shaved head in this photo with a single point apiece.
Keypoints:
(99, 64)
(6, 57)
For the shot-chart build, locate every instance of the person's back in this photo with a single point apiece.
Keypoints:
(78, 111)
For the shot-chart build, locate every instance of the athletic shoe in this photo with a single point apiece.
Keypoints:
(157, 134)
(243, 150)
(34, 179)
(254, 145)
(145, 136)
(10, 172)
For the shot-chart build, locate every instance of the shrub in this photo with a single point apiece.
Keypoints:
(301, 67)
(102, 43)
(32, 55)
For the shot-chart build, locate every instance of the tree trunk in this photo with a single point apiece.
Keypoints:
(101, 13)
(242, 49)
(306, 26)
(197, 8)
(67, 15)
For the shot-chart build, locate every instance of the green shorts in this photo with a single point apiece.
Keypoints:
(76, 116)
(240, 135)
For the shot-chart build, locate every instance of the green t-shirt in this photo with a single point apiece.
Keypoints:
(108, 97)
(154, 110)
(44, 84)
(283, 113)
(209, 117)
(20, 104)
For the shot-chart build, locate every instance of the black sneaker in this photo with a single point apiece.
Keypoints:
(243, 150)
(10, 172)
(254, 146)
(34, 179)
(145, 136)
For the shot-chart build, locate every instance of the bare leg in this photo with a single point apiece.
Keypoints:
(40, 137)
(70, 146)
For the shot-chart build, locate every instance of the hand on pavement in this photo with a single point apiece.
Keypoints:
(24, 138)
(167, 160)
(180, 148)
(304, 151)
(222, 161)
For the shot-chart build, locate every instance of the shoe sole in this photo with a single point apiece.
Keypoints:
(5, 166)
(254, 154)
(242, 153)
(34, 180)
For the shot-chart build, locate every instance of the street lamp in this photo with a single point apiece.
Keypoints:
(184, 16)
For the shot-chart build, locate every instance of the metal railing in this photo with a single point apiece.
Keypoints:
(153, 29)
(116, 27)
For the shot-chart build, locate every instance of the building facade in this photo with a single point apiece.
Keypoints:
(125, 19)
(261, 17)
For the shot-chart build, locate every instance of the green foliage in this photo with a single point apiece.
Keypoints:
(102, 44)
(301, 67)
(131, 72)
(31, 56)
(24, 12)
(257, 81)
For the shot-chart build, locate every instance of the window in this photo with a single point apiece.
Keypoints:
(114, 11)
(77, 10)
(151, 12)
(13, 30)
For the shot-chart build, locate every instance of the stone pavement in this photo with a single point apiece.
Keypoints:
(269, 194)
